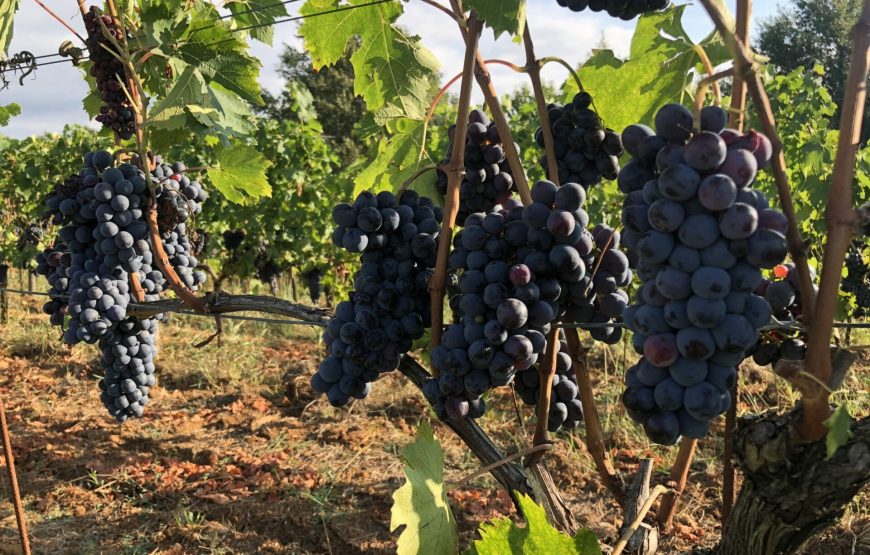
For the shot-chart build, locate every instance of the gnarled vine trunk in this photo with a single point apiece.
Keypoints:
(790, 491)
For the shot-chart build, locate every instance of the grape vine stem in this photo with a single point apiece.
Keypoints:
(641, 514)
(533, 68)
(455, 171)
(738, 86)
(839, 217)
(59, 19)
(839, 213)
(680, 475)
(591, 420)
(484, 81)
(736, 118)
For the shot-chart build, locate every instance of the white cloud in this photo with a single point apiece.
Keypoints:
(52, 96)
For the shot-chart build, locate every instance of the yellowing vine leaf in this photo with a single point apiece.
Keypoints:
(390, 68)
(7, 15)
(421, 504)
(502, 16)
(538, 537)
(240, 173)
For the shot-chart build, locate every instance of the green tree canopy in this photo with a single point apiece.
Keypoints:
(331, 87)
(810, 33)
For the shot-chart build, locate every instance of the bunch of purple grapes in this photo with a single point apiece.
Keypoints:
(566, 411)
(586, 151)
(856, 280)
(116, 112)
(102, 245)
(520, 270)
(580, 274)
(389, 307)
(487, 181)
(623, 9)
(783, 295)
(701, 236)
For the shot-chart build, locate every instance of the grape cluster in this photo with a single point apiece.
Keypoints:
(313, 280)
(578, 273)
(586, 151)
(389, 307)
(623, 9)
(127, 356)
(102, 247)
(701, 236)
(30, 236)
(116, 112)
(233, 239)
(487, 181)
(856, 280)
(518, 271)
(566, 411)
(783, 295)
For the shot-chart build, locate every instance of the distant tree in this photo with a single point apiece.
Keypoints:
(812, 32)
(338, 109)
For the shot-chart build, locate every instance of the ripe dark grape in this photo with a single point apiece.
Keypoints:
(487, 181)
(586, 151)
(116, 112)
(389, 309)
(102, 248)
(623, 9)
(699, 246)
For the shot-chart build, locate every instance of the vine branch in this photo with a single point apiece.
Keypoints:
(738, 86)
(591, 419)
(679, 474)
(533, 68)
(454, 170)
(839, 215)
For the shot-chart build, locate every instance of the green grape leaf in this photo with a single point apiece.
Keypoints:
(194, 105)
(259, 14)
(7, 15)
(658, 71)
(390, 67)
(502, 16)
(421, 505)
(839, 429)
(538, 537)
(240, 173)
(8, 112)
(394, 160)
(219, 54)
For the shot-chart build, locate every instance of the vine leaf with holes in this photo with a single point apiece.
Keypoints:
(421, 505)
(658, 70)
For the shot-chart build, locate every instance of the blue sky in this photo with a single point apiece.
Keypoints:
(51, 97)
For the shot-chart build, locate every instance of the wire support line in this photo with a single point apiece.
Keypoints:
(35, 66)
(238, 29)
(239, 317)
(775, 325)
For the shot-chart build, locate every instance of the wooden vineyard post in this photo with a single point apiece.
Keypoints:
(13, 482)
